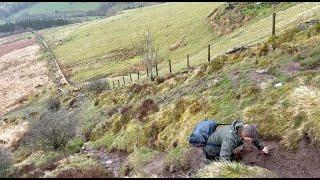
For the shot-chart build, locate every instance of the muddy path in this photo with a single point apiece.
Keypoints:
(302, 162)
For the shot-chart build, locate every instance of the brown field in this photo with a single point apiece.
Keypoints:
(21, 73)
(9, 47)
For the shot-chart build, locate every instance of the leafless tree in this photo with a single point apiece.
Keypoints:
(149, 51)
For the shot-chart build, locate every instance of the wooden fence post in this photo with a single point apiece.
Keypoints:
(209, 53)
(138, 75)
(188, 65)
(170, 66)
(113, 85)
(118, 82)
(124, 82)
(147, 72)
(130, 77)
(157, 69)
(273, 24)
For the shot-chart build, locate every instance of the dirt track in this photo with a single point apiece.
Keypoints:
(304, 162)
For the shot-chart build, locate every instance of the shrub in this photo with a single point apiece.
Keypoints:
(98, 85)
(5, 162)
(52, 131)
(53, 104)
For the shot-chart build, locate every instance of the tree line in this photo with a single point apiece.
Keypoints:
(35, 24)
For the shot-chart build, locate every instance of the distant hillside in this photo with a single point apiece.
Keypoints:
(16, 11)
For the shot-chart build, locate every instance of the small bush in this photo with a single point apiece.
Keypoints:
(52, 131)
(5, 162)
(53, 104)
(98, 85)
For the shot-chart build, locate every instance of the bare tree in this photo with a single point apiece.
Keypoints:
(149, 51)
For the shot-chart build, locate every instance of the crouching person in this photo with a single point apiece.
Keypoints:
(222, 143)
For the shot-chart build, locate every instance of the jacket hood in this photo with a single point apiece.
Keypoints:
(236, 124)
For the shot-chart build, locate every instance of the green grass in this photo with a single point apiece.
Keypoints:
(84, 48)
(51, 7)
(233, 170)
(168, 22)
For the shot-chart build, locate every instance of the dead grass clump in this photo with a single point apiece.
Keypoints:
(95, 171)
(233, 170)
(160, 80)
(112, 111)
(180, 120)
(129, 137)
(147, 107)
(178, 44)
(125, 116)
(120, 54)
(137, 88)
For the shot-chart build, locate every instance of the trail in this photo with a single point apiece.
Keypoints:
(111, 161)
(303, 162)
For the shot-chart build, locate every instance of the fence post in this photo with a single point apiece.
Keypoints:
(157, 69)
(273, 24)
(188, 61)
(118, 82)
(130, 77)
(124, 82)
(147, 71)
(170, 66)
(138, 75)
(209, 53)
(113, 85)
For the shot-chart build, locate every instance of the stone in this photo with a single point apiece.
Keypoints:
(277, 85)
(262, 71)
(109, 162)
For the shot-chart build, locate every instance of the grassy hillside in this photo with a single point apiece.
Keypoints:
(13, 11)
(274, 84)
(86, 49)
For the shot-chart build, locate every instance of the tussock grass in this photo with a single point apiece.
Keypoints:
(233, 170)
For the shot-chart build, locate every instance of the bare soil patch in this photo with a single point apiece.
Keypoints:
(302, 162)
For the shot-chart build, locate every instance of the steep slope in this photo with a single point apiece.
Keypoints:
(122, 30)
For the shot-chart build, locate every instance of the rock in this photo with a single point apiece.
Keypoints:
(262, 71)
(172, 169)
(277, 85)
(109, 162)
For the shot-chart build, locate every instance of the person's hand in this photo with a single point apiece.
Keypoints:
(265, 150)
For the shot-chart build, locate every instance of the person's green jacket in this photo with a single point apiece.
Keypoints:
(224, 140)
